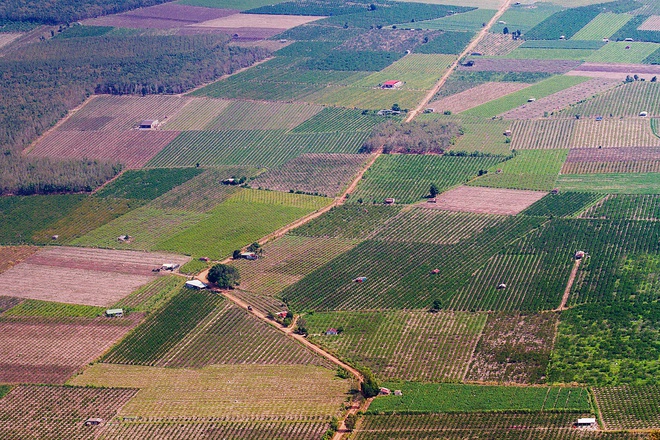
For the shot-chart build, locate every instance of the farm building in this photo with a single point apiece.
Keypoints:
(586, 422)
(391, 84)
(398, 393)
(331, 332)
(195, 284)
(282, 314)
(148, 124)
(432, 200)
(360, 280)
(579, 255)
(389, 201)
(93, 421)
(249, 255)
(385, 391)
(169, 266)
(114, 313)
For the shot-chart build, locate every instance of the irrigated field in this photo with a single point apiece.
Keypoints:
(418, 346)
(220, 391)
(36, 412)
(66, 275)
(629, 407)
(623, 52)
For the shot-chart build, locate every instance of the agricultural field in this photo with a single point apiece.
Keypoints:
(407, 178)
(417, 71)
(524, 53)
(348, 222)
(319, 174)
(629, 407)
(623, 52)
(602, 26)
(626, 207)
(496, 45)
(246, 115)
(513, 348)
(564, 204)
(529, 169)
(476, 96)
(611, 183)
(417, 346)
(45, 309)
(487, 200)
(525, 16)
(626, 100)
(443, 398)
(520, 66)
(7, 302)
(334, 119)
(34, 412)
(152, 296)
(612, 160)
(63, 274)
(467, 21)
(219, 391)
(48, 349)
(367, 97)
(7, 38)
(12, 255)
(482, 135)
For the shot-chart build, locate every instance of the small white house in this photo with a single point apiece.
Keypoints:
(195, 284)
(586, 422)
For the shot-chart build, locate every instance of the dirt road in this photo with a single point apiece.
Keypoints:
(569, 285)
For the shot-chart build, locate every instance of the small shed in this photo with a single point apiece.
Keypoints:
(432, 200)
(385, 391)
(282, 314)
(389, 201)
(124, 238)
(249, 255)
(360, 280)
(580, 255)
(435, 271)
(429, 110)
(169, 266)
(55, 237)
(93, 421)
(643, 114)
(114, 313)
(501, 286)
(398, 393)
(585, 422)
(391, 84)
(148, 124)
(332, 332)
(195, 284)
(555, 191)
(230, 181)
(507, 133)
(207, 259)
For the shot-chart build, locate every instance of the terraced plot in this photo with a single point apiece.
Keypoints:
(401, 345)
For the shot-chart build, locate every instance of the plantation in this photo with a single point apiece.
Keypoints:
(367, 97)
(626, 100)
(418, 71)
(401, 345)
(147, 184)
(564, 204)
(626, 207)
(407, 178)
(602, 26)
(631, 30)
(348, 221)
(45, 309)
(152, 296)
(519, 17)
(629, 407)
(523, 53)
(332, 119)
(614, 183)
(432, 398)
(623, 52)
(466, 21)
(447, 43)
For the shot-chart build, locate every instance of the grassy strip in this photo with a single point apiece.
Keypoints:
(47, 309)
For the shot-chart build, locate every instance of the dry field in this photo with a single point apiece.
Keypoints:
(165, 16)
(504, 65)
(497, 45)
(96, 277)
(132, 148)
(35, 412)
(615, 71)
(612, 160)
(487, 200)
(562, 99)
(12, 255)
(267, 21)
(651, 24)
(40, 350)
(7, 38)
(221, 391)
(197, 114)
(7, 302)
(476, 96)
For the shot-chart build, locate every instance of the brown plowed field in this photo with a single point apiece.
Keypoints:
(612, 160)
(34, 412)
(562, 99)
(476, 96)
(651, 24)
(12, 255)
(504, 65)
(96, 277)
(165, 16)
(39, 350)
(132, 148)
(258, 21)
(487, 200)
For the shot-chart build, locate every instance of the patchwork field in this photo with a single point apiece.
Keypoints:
(626, 207)
(626, 100)
(629, 407)
(476, 96)
(623, 52)
(12, 255)
(611, 183)
(612, 160)
(510, 65)
(603, 26)
(65, 274)
(415, 71)
(487, 200)
(496, 45)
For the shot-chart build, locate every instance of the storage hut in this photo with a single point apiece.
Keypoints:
(580, 255)
(360, 280)
(93, 421)
(586, 422)
(391, 84)
(148, 124)
(389, 201)
(332, 332)
(114, 313)
(195, 284)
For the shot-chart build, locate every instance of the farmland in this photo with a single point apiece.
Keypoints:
(496, 45)
(602, 26)
(623, 52)
(612, 160)
(487, 200)
(407, 178)
(613, 183)
(33, 412)
(219, 391)
(625, 207)
(402, 345)
(467, 21)
(12, 255)
(626, 100)
(476, 96)
(629, 407)
(564, 204)
(418, 71)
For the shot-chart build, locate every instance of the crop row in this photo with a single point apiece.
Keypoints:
(147, 184)
(629, 407)
(261, 148)
(564, 204)
(246, 115)
(602, 26)
(637, 166)
(152, 296)
(333, 119)
(629, 207)
(417, 346)
(628, 99)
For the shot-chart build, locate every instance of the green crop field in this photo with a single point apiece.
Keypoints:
(482, 135)
(348, 221)
(602, 26)
(161, 331)
(516, 99)
(147, 184)
(434, 398)
(417, 71)
(629, 407)
(523, 53)
(467, 21)
(407, 178)
(623, 52)
(367, 97)
(230, 4)
(520, 17)
(626, 100)
(401, 345)
(46, 309)
(614, 183)
(564, 204)
(333, 119)
(246, 115)
(626, 207)
(563, 44)
(152, 296)
(447, 43)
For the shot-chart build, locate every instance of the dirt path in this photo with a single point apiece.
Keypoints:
(569, 285)
(354, 409)
(453, 66)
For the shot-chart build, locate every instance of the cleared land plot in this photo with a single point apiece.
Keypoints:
(230, 335)
(466, 21)
(197, 114)
(286, 261)
(562, 99)
(487, 200)
(651, 24)
(12, 255)
(496, 44)
(132, 148)
(626, 100)
(324, 174)
(42, 350)
(623, 52)
(415, 71)
(407, 178)
(268, 21)
(106, 112)
(603, 26)
(35, 412)
(643, 207)
(6, 38)
(507, 65)
(629, 407)
(612, 160)
(514, 348)
(529, 169)
(245, 115)
(165, 16)
(220, 391)
(402, 345)
(615, 71)
(476, 96)
(611, 183)
(438, 398)
(94, 277)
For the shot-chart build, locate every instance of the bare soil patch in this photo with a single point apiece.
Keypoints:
(476, 96)
(561, 99)
(39, 350)
(615, 71)
(95, 277)
(7, 302)
(612, 160)
(165, 16)
(258, 21)
(12, 255)
(487, 200)
(504, 65)
(497, 45)
(7, 38)
(651, 24)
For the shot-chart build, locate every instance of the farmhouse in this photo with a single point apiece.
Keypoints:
(114, 313)
(195, 284)
(148, 124)
(391, 84)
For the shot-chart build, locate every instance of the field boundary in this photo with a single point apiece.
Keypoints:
(569, 286)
